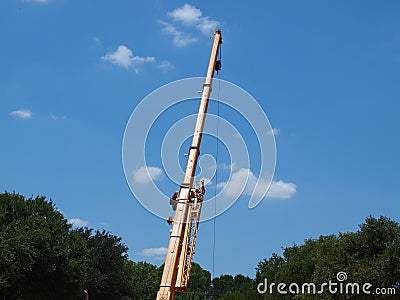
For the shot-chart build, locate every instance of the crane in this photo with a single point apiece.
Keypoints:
(187, 201)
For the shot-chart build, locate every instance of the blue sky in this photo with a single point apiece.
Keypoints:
(326, 73)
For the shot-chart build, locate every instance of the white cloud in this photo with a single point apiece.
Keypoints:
(157, 253)
(123, 57)
(180, 39)
(22, 113)
(221, 185)
(237, 186)
(233, 166)
(97, 41)
(189, 16)
(145, 174)
(78, 222)
(55, 117)
(274, 131)
(166, 65)
(207, 26)
(282, 190)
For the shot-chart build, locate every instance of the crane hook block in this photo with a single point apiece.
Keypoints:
(218, 65)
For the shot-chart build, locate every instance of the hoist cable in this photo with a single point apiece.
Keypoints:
(216, 169)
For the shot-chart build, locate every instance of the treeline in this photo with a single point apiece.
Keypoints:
(44, 257)
(369, 256)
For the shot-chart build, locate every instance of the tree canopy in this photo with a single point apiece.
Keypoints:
(44, 257)
(370, 255)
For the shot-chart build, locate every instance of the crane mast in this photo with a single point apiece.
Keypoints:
(188, 200)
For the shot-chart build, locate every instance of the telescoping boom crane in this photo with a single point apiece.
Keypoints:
(188, 200)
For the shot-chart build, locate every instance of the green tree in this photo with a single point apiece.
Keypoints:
(109, 276)
(268, 268)
(370, 255)
(223, 284)
(145, 279)
(198, 286)
(235, 288)
(41, 257)
(374, 252)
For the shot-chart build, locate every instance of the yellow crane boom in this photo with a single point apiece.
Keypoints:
(188, 201)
